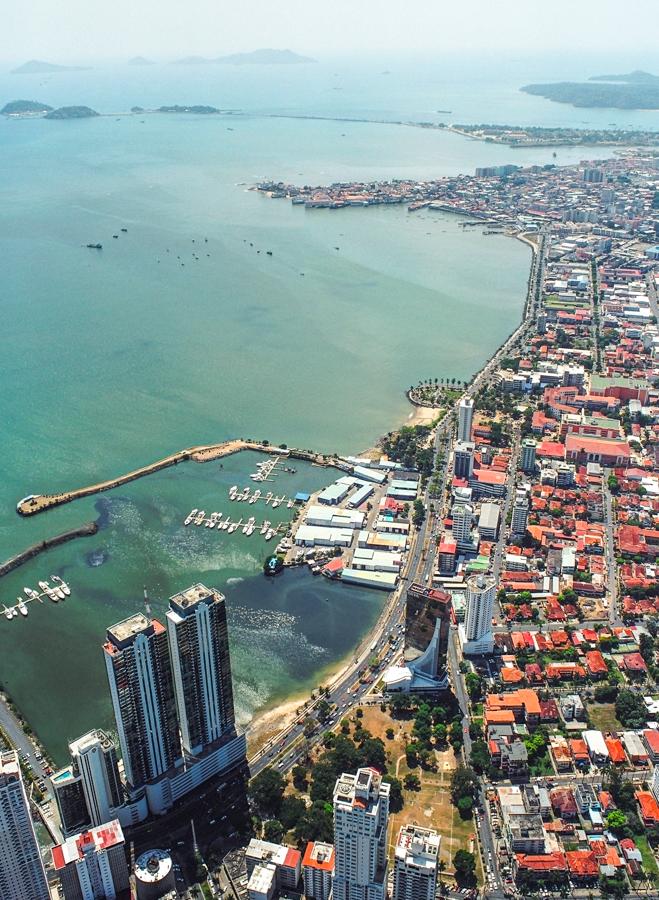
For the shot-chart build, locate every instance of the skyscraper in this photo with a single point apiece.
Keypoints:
(22, 875)
(465, 418)
(462, 515)
(477, 631)
(361, 814)
(199, 648)
(142, 690)
(520, 512)
(527, 462)
(463, 459)
(92, 865)
(415, 863)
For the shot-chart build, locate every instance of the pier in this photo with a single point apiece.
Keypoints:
(36, 503)
(248, 526)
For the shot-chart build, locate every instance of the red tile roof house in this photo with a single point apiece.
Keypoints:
(596, 664)
(540, 865)
(563, 803)
(634, 665)
(648, 806)
(582, 865)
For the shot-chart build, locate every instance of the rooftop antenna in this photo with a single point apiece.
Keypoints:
(147, 605)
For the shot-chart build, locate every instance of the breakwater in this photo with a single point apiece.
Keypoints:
(86, 530)
(36, 503)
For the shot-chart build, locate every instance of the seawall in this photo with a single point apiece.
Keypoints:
(86, 530)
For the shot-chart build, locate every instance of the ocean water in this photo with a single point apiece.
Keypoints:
(183, 330)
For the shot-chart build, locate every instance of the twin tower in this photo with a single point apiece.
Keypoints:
(172, 698)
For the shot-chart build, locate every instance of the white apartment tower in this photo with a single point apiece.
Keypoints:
(92, 865)
(22, 875)
(463, 459)
(361, 814)
(527, 461)
(520, 515)
(462, 515)
(465, 418)
(415, 863)
(199, 649)
(477, 630)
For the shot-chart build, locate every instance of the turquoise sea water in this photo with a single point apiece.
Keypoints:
(114, 358)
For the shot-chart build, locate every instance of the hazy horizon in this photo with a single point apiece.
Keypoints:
(166, 30)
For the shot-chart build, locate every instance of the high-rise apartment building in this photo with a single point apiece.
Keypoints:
(520, 514)
(463, 459)
(199, 648)
(361, 814)
(22, 875)
(89, 790)
(462, 515)
(477, 629)
(415, 863)
(142, 690)
(93, 865)
(465, 418)
(317, 868)
(527, 461)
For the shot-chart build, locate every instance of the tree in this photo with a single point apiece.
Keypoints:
(273, 831)
(474, 685)
(266, 792)
(396, 799)
(390, 734)
(617, 822)
(480, 756)
(373, 754)
(316, 824)
(630, 709)
(323, 709)
(412, 782)
(464, 782)
(310, 725)
(291, 811)
(464, 864)
(465, 806)
(299, 774)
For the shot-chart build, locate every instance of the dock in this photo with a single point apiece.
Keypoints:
(59, 590)
(247, 526)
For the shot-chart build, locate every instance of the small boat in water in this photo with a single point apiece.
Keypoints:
(201, 515)
(270, 533)
(191, 516)
(248, 528)
(8, 612)
(265, 526)
(255, 496)
(22, 608)
(61, 584)
(48, 591)
(234, 525)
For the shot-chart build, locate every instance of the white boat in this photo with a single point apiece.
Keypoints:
(8, 613)
(256, 476)
(28, 591)
(201, 515)
(225, 524)
(210, 522)
(22, 608)
(276, 502)
(191, 516)
(290, 504)
(265, 526)
(248, 528)
(233, 526)
(270, 533)
(58, 592)
(62, 584)
(244, 495)
(255, 496)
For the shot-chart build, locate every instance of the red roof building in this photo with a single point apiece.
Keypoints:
(648, 806)
(582, 864)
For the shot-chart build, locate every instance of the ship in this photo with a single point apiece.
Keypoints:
(248, 528)
(191, 516)
(22, 608)
(265, 526)
(62, 584)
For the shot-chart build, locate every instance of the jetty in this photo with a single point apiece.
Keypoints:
(36, 503)
(88, 529)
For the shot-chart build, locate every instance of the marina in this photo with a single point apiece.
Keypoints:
(245, 495)
(58, 590)
(248, 526)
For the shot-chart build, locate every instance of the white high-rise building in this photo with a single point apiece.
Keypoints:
(361, 815)
(22, 875)
(463, 459)
(520, 515)
(462, 515)
(465, 418)
(95, 757)
(317, 868)
(476, 633)
(92, 865)
(415, 863)
(527, 461)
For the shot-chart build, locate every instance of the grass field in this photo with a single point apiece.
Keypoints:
(603, 717)
(431, 806)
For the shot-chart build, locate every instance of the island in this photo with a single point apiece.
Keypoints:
(140, 61)
(72, 112)
(265, 57)
(25, 108)
(39, 67)
(636, 90)
(198, 110)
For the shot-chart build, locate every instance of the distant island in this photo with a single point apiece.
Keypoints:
(39, 67)
(263, 57)
(72, 112)
(199, 110)
(140, 61)
(635, 90)
(25, 108)
(636, 77)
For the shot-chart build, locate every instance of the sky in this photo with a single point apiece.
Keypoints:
(91, 30)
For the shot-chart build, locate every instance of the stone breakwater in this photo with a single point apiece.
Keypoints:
(86, 530)
(36, 503)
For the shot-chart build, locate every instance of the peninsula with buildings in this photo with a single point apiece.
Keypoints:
(497, 733)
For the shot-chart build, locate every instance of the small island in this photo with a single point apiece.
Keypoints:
(25, 108)
(265, 57)
(72, 112)
(197, 110)
(140, 61)
(39, 67)
(636, 90)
